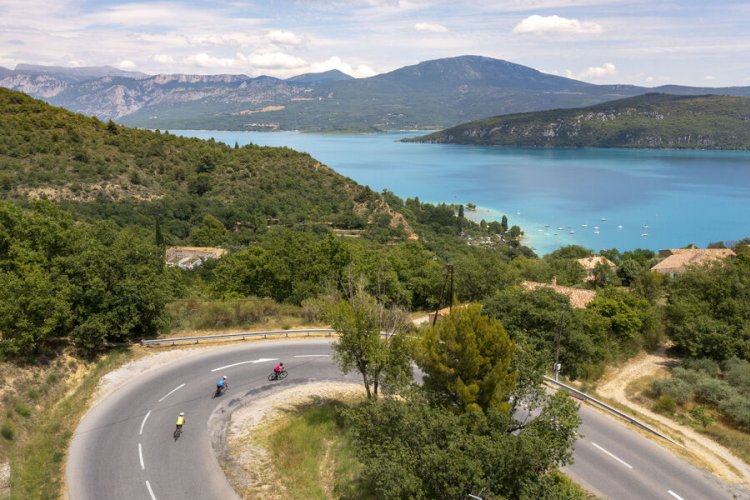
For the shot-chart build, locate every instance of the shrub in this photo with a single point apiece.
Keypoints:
(691, 377)
(700, 414)
(7, 430)
(713, 391)
(665, 404)
(677, 390)
(737, 408)
(705, 365)
(737, 373)
(22, 409)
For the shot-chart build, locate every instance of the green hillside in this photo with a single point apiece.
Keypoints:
(103, 170)
(647, 121)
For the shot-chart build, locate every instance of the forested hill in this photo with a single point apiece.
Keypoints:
(103, 170)
(646, 121)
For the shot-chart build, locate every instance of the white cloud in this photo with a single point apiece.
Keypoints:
(593, 72)
(596, 72)
(556, 24)
(335, 62)
(163, 59)
(206, 61)
(126, 64)
(282, 37)
(432, 27)
(274, 60)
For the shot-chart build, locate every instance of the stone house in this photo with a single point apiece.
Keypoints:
(590, 263)
(677, 260)
(190, 257)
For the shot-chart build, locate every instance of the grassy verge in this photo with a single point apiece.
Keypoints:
(313, 457)
(43, 412)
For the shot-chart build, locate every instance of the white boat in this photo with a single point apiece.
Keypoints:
(596, 232)
(584, 225)
(619, 226)
(604, 219)
(644, 234)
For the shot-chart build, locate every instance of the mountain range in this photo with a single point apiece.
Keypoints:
(430, 95)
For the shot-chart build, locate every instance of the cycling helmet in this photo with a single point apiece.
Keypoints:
(281, 364)
(224, 377)
(182, 414)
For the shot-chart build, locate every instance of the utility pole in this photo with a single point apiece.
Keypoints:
(442, 291)
(557, 343)
(450, 307)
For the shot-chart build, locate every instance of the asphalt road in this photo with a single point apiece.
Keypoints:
(124, 447)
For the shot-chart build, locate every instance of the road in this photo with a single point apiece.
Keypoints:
(124, 448)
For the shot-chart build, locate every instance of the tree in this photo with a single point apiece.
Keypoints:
(380, 359)
(628, 270)
(158, 236)
(466, 359)
(602, 275)
(708, 310)
(412, 449)
(515, 232)
(504, 223)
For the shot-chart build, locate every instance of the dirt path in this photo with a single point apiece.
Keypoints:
(704, 451)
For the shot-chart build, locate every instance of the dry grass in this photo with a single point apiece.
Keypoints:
(43, 403)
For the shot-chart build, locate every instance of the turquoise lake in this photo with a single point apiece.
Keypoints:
(598, 198)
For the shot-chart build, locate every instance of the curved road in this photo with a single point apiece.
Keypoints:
(124, 449)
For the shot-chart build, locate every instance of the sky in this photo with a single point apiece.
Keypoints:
(643, 42)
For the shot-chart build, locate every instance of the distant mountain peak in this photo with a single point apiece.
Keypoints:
(333, 75)
(77, 73)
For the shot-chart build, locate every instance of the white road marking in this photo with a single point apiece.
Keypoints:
(678, 497)
(144, 422)
(313, 356)
(623, 462)
(140, 455)
(261, 360)
(171, 392)
(150, 491)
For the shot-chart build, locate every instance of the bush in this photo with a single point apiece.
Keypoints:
(737, 373)
(677, 390)
(691, 377)
(713, 391)
(700, 414)
(737, 408)
(665, 404)
(7, 430)
(22, 409)
(705, 365)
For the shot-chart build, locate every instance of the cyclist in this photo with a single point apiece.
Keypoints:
(279, 369)
(222, 385)
(180, 421)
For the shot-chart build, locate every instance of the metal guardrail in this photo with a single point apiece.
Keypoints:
(611, 409)
(243, 336)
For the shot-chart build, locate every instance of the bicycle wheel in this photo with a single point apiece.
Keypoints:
(283, 374)
(272, 377)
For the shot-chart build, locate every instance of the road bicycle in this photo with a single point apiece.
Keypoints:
(278, 376)
(177, 432)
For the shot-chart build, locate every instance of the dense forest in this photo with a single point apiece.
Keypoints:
(646, 121)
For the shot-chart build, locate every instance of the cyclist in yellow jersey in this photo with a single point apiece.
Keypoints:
(180, 421)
